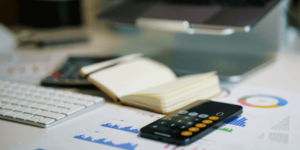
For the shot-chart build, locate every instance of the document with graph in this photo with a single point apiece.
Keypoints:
(262, 108)
(112, 130)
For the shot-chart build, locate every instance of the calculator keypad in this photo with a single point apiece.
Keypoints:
(186, 123)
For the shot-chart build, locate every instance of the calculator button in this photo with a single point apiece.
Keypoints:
(187, 117)
(161, 122)
(213, 118)
(160, 128)
(172, 124)
(154, 126)
(193, 114)
(182, 126)
(186, 133)
(170, 119)
(207, 121)
(197, 119)
(220, 114)
(175, 131)
(203, 116)
(189, 123)
(183, 112)
(200, 125)
(194, 129)
(179, 121)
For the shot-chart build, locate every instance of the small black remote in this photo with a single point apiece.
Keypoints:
(192, 122)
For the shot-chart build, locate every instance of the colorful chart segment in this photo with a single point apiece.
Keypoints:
(127, 129)
(238, 122)
(281, 102)
(127, 146)
(226, 129)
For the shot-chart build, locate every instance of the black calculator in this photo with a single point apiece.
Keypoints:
(192, 122)
(67, 75)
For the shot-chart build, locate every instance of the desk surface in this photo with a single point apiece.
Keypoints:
(282, 74)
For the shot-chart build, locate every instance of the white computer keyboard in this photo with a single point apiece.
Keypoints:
(43, 107)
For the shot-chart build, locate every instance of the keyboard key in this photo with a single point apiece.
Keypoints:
(59, 110)
(51, 115)
(24, 116)
(32, 111)
(3, 105)
(65, 105)
(72, 110)
(95, 99)
(68, 100)
(13, 114)
(12, 107)
(22, 109)
(4, 112)
(35, 118)
(54, 103)
(28, 104)
(48, 108)
(38, 106)
(84, 103)
(46, 121)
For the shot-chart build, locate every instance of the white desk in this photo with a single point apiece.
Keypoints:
(283, 74)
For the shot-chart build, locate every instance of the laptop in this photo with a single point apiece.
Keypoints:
(240, 15)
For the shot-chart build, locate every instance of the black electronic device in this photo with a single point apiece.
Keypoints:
(192, 122)
(67, 75)
(205, 14)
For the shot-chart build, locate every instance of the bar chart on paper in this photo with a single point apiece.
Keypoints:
(238, 122)
(128, 146)
(117, 127)
(127, 128)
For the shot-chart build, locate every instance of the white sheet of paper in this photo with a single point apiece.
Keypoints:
(28, 68)
(286, 131)
(259, 119)
(119, 130)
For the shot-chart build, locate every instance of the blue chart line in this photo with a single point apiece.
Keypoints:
(39, 149)
(127, 129)
(127, 146)
(238, 122)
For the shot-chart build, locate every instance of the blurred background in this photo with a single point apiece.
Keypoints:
(38, 35)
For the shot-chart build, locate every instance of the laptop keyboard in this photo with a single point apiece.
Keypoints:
(43, 107)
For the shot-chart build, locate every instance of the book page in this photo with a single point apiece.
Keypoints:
(181, 82)
(136, 75)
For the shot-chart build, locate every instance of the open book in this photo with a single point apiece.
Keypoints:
(145, 83)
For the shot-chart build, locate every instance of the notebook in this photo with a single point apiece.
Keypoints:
(145, 83)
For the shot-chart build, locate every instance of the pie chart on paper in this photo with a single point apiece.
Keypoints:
(262, 101)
